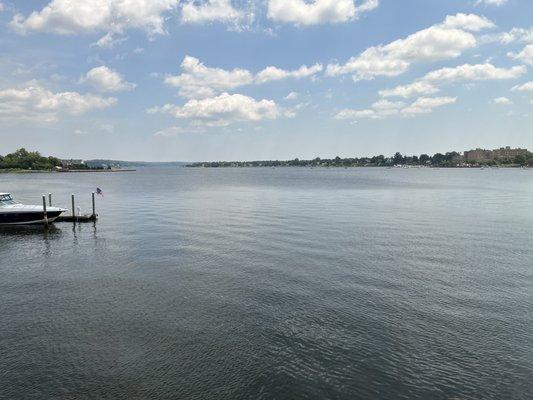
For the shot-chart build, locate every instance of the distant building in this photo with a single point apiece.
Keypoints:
(503, 153)
(71, 162)
(508, 153)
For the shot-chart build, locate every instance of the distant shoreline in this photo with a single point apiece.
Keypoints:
(478, 158)
(99, 170)
(358, 166)
(31, 171)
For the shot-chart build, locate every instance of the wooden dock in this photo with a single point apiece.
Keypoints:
(70, 215)
(77, 218)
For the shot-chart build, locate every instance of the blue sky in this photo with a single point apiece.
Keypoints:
(264, 79)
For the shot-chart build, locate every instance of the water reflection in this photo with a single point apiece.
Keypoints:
(39, 234)
(29, 230)
(286, 283)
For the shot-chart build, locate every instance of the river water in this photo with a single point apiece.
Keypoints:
(285, 283)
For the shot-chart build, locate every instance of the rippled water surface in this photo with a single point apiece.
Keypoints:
(272, 284)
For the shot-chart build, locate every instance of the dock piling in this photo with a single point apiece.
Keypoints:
(76, 215)
(73, 208)
(45, 215)
(49, 199)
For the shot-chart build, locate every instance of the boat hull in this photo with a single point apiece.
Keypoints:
(28, 218)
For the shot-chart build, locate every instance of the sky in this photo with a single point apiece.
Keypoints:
(203, 80)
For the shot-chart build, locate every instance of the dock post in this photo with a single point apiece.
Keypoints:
(44, 211)
(94, 205)
(73, 208)
(49, 199)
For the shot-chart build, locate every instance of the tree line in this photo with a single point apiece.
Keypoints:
(449, 159)
(23, 159)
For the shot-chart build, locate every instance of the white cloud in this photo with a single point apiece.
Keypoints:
(410, 90)
(526, 87)
(301, 12)
(176, 130)
(33, 102)
(367, 5)
(210, 11)
(386, 108)
(290, 113)
(477, 72)
(222, 110)
(491, 2)
(67, 17)
(292, 96)
(109, 41)
(429, 84)
(299, 106)
(356, 114)
(105, 79)
(526, 55)
(275, 74)
(425, 105)
(467, 22)
(502, 100)
(166, 109)
(439, 42)
(168, 132)
(517, 34)
(200, 81)
(2, 7)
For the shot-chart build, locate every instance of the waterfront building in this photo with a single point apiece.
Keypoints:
(483, 155)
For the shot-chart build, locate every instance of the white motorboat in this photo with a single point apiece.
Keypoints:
(13, 213)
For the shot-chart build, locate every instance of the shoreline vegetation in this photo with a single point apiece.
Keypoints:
(513, 158)
(23, 161)
(28, 160)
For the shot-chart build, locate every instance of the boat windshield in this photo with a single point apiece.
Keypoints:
(6, 199)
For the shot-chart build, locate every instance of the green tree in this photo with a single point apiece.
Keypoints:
(23, 159)
(398, 159)
(438, 159)
(424, 159)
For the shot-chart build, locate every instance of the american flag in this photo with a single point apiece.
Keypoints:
(99, 191)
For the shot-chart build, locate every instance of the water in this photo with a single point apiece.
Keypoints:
(272, 284)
